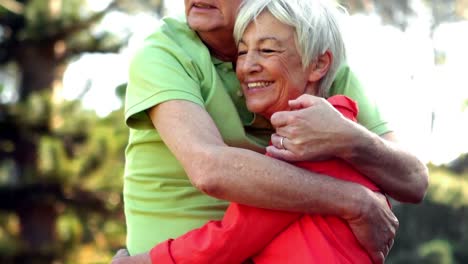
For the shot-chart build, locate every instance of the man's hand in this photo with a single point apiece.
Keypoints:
(375, 226)
(313, 130)
(123, 257)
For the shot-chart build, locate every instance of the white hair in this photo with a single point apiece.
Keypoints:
(316, 29)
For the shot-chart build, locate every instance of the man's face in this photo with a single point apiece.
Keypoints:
(211, 15)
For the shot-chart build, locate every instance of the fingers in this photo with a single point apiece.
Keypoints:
(396, 223)
(280, 142)
(390, 232)
(281, 148)
(390, 244)
(386, 250)
(280, 119)
(284, 142)
(377, 230)
(281, 154)
(284, 118)
(378, 257)
(120, 256)
(303, 101)
(122, 253)
(392, 227)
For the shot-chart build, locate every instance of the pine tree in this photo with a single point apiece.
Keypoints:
(60, 165)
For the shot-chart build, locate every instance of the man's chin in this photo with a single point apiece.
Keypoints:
(203, 25)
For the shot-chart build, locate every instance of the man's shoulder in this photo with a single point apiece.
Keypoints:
(173, 38)
(175, 31)
(174, 27)
(342, 78)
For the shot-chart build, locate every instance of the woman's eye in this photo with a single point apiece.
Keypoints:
(241, 52)
(267, 50)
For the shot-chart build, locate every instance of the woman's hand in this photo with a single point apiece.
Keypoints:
(313, 130)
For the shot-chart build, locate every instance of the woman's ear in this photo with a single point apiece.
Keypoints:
(320, 66)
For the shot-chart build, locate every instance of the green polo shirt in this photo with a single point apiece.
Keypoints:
(173, 64)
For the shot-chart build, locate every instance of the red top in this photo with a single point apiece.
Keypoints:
(269, 236)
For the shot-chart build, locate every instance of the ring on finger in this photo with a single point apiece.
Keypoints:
(282, 142)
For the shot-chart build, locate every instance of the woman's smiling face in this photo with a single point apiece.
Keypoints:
(269, 66)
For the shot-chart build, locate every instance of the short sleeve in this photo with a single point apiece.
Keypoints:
(159, 71)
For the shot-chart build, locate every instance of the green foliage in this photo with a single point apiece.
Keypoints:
(448, 188)
(436, 230)
(34, 111)
(9, 229)
(44, 18)
(120, 91)
(84, 154)
(61, 166)
(91, 240)
(436, 252)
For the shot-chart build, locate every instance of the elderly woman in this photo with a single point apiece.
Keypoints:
(285, 49)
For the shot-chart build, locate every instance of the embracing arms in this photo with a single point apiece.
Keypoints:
(241, 175)
(247, 177)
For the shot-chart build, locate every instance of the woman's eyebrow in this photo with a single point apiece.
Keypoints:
(269, 38)
(262, 40)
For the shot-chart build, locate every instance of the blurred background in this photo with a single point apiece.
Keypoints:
(63, 69)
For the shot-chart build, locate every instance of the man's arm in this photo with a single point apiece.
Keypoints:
(318, 131)
(241, 175)
(396, 167)
(247, 177)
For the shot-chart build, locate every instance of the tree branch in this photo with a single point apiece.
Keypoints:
(85, 24)
(92, 48)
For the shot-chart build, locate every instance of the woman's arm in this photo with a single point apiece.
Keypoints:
(317, 131)
(243, 232)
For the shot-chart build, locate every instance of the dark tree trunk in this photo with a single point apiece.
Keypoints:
(35, 203)
(38, 65)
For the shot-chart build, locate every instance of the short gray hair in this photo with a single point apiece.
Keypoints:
(316, 24)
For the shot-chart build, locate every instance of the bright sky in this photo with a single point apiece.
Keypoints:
(397, 66)
(106, 71)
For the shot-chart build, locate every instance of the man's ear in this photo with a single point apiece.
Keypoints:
(320, 66)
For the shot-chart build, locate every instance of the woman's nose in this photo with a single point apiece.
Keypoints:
(251, 62)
